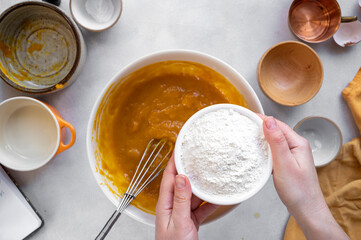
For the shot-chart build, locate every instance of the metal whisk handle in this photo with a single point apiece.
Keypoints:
(140, 179)
(104, 232)
(127, 198)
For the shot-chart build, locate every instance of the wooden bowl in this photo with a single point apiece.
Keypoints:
(290, 73)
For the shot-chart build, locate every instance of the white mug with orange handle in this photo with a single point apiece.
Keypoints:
(31, 133)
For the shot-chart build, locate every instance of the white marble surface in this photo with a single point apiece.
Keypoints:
(237, 31)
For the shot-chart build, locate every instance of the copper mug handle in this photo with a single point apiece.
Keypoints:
(348, 19)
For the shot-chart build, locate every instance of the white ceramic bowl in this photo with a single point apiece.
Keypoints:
(221, 200)
(324, 137)
(182, 55)
(84, 19)
(31, 133)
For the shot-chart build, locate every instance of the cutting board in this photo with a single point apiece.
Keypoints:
(17, 217)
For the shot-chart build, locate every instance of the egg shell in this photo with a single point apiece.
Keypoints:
(348, 34)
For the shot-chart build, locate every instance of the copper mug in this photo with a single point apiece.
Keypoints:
(315, 21)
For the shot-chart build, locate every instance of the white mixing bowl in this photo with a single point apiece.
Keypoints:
(178, 55)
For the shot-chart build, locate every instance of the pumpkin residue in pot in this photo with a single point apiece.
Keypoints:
(152, 102)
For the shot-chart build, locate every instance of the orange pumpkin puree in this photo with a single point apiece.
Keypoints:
(152, 102)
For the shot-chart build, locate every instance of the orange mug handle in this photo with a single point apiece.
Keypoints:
(63, 124)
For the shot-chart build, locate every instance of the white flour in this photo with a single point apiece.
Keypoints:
(101, 10)
(224, 153)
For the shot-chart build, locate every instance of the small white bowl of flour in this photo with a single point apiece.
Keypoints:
(96, 15)
(223, 152)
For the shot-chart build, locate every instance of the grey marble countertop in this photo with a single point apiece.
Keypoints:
(237, 31)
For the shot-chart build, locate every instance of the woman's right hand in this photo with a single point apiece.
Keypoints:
(296, 181)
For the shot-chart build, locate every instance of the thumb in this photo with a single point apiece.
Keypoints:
(182, 199)
(277, 140)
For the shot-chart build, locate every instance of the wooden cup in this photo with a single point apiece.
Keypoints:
(290, 73)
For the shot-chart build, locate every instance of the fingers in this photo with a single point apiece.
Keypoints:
(196, 202)
(204, 211)
(281, 153)
(297, 144)
(165, 200)
(293, 139)
(171, 166)
(275, 136)
(182, 200)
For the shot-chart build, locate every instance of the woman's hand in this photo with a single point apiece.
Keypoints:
(296, 181)
(178, 213)
(294, 172)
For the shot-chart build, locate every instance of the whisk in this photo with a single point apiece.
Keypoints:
(140, 179)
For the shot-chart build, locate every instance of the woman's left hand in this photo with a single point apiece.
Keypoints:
(178, 213)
